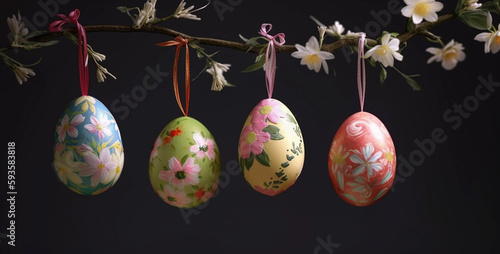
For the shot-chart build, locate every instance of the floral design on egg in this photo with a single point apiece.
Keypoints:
(181, 175)
(184, 166)
(88, 152)
(270, 148)
(203, 147)
(362, 160)
(99, 126)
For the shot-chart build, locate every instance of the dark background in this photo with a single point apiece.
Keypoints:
(445, 204)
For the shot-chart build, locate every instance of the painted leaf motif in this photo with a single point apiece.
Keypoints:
(340, 180)
(380, 194)
(274, 131)
(386, 177)
(249, 161)
(263, 159)
(349, 196)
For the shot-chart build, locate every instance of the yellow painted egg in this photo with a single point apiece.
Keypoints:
(271, 148)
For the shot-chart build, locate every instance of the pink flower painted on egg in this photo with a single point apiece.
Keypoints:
(68, 127)
(204, 147)
(154, 152)
(181, 175)
(99, 125)
(98, 167)
(252, 139)
(174, 197)
(269, 109)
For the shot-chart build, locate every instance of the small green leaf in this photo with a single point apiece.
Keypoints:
(383, 74)
(263, 158)
(410, 25)
(458, 8)
(413, 83)
(491, 6)
(122, 9)
(285, 164)
(475, 19)
(409, 79)
(259, 63)
(289, 157)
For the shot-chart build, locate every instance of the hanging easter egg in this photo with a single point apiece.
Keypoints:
(184, 166)
(88, 151)
(271, 148)
(362, 160)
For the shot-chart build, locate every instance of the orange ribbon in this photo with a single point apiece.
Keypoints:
(179, 42)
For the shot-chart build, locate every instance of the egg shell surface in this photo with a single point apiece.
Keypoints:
(271, 148)
(362, 160)
(184, 166)
(88, 150)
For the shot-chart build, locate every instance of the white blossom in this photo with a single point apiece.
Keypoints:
(217, 71)
(350, 34)
(311, 55)
(449, 55)
(16, 26)
(22, 74)
(472, 5)
(491, 40)
(386, 52)
(334, 30)
(187, 13)
(146, 15)
(422, 9)
(101, 74)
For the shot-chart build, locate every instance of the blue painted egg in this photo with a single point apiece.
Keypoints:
(88, 150)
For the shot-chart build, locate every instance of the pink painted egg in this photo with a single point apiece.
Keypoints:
(362, 160)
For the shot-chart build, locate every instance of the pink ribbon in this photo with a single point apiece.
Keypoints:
(56, 26)
(361, 70)
(270, 65)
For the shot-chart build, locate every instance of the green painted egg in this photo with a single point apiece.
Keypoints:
(184, 165)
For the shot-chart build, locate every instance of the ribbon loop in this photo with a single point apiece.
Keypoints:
(56, 26)
(361, 70)
(179, 41)
(270, 65)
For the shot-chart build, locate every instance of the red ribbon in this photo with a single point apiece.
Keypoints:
(270, 65)
(180, 42)
(56, 26)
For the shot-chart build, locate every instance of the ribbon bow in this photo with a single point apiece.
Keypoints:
(180, 42)
(56, 26)
(270, 66)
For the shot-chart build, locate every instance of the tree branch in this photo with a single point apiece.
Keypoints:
(420, 29)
